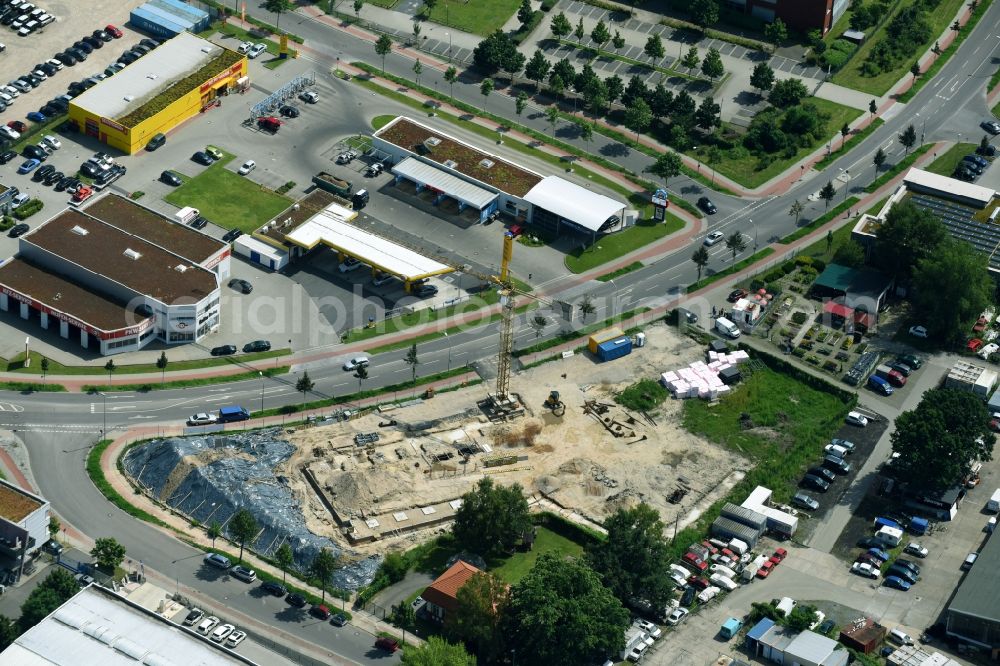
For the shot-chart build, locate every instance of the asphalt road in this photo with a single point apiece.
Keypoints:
(59, 428)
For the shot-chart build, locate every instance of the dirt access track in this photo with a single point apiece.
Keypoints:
(400, 489)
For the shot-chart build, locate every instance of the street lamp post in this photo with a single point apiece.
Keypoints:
(754, 235)
(261, 395)
(449, 351)
(847, 182)
(104, 415)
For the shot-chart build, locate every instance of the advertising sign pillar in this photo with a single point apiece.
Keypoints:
(661, 201)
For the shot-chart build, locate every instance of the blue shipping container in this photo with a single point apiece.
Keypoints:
(612, 349)
(918, 525)
(197, 17)
(155, 23)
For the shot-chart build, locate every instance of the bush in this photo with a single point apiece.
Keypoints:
(522, 33)
(788, 267)
(803, 261)
(643, 395)
(799, 318)
(138, 194)
(834, 60)
(818, 265)
(6, 223)
(547, 5)
(286, 187)
(28, 208)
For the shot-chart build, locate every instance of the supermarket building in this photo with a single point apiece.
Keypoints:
(115, 277)
(174, 82)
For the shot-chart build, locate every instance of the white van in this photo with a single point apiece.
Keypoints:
(993, 505)
(889, 536)
(723, 582)
(186, 214)
(727, 328)
(900, 637)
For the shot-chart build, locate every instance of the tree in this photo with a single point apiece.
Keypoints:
(358, 5)
(538, 324)
(667, 165)
(8, 632)
(600, 34)
(776, 32)
(654, 49)
(304, 384)
(829, 240)
(161, 363)
(787, 92)
(243, 527)
(57, 588)
(952, 287)
(565, 70)
(762, 78)
(284, 557)
(429, 6)
(110, 367)
(879, 159)
(552, 115)
(908, 138)
(634, 91)
(595, 94)
(915, 70)
(361, 374)
(586, 133)
(827, 193)
(411, 360)
(54, 527)
(277, 7)
(497, 52)
(214, 531)
(587, 307)
(637, 117)
(691, 59)
(560, 26)
(321, 568)
(660, 101)
(615, 87)
(525, 12)
(492, 517)
(520, 102)
(416, 32)
(418, 69)
(872, 107)
(700, 259)
(711, 66)
(383, 46)
(579, 32)
(937, 441)
(801, 618)
(796, 210)
(849, 253)
(984, 143)
(45, 361)
(436, 651)
(450, 76)
(907, 235)
(557, 85)
(512, 65)
(537, 68)
(844, 132)
(618, 42)
(561, 615)
(108, 554)
(708, 117)
(704, 12)
(631, 561)
(481, 604)
(735, 243)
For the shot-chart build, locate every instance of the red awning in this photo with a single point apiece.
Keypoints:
(838, 309)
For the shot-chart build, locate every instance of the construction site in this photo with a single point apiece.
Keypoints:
(390, 478)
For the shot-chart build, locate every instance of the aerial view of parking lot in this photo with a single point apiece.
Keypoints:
(539, 333)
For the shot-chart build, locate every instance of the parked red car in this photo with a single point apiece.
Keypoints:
(698, 582)
(17, 126)
(387, 644)
(269, 123)
(695, 562)
(113, 31)
(765, 569)
(973, 345)
(780, 553)
(712, 550)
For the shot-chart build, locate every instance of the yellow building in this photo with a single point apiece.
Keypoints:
(179, 79)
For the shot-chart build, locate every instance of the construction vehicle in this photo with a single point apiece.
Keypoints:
(553, 403)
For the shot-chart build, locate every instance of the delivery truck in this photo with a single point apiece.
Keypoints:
(727, 328)
(330, 183)
(993, 505)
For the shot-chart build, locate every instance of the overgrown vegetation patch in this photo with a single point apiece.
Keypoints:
(644, 395)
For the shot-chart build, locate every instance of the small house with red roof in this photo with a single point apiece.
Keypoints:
(442, 595)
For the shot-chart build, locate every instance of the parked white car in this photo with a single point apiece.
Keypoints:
(677, 616)
(864, 569)
(206, 626)
(51, 142)
(918, 331)
(914, 548)
(245, 47)
(220, 634)
(650, 628)
(247, 167)
(256, 50)
(857, 419)
(202, 418)
(235, 638)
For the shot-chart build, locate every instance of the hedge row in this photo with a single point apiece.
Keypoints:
(28, 208)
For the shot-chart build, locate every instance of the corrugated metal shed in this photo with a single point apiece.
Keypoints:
(744, 515)
(728, 528)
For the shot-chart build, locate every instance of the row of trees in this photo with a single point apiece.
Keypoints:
(564, 611)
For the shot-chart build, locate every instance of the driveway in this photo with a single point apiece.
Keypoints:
(414, 581)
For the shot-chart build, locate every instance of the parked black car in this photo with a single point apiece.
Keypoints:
(295, 599)
(7, 156)
(232, 235)
(707, 206)
(224, 350)
(54, 177)
(18, 230)
(240, 285)
(199, 222)
(84, 46)
(31, 150)
(101, 35)
(170, 178)
(202, 157)
(823, 473)
(274, 588)
(837, 464)
(257, 346)
(815, 483)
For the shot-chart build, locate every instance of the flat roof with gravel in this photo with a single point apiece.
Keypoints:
(129, 260)
(138, 220)
(15, 504)
(66, 296)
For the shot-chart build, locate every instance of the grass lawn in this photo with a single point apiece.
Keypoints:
(378, 122)
(16, 364)
(791, 422)
(619, 244)
(945, 165)
(850, 75)
(228, 199)
(480, 17)
(274, 48)
(743, 169)
(546, 542)
(841, 235)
